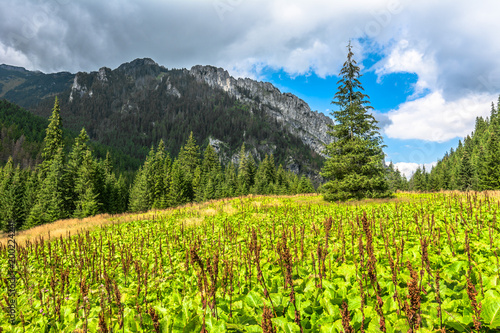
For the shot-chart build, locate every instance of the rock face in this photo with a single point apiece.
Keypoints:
(286, 108)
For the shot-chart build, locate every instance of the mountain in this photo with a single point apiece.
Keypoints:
(27, 88)
(135, 105)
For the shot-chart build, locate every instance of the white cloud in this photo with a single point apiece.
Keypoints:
(404, 58)
(9, 55)
(432, 118)
(409, 168)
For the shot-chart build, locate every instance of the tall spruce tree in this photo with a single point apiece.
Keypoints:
(142, 190)
(244, 172)
(230, 187)
(49, 205)
(87, 202)
(466, 169)
(189, 159)
(161, 177)
(354, 168)
(71, 173)
(53, 138)
(489, 170)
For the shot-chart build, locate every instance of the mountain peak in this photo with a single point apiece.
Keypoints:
(141, 67)
(139, 62)
(13, 68)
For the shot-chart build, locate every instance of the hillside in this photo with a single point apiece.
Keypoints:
(135, 105)
(22, 134)
(27, 88)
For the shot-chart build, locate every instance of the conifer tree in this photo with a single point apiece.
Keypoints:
(466, 170)
(161, 177)
(489, 171)
(270, 169)
(189, 159)
(281, 181)
(53, 138)
(208, 186)
(198, 185)
(12, 188)
(305, 185)
(354, 168)
(261, 185)
(142, 191)
(30, 193)
(244, 181)
(178, 185)
(395, 179)
(17, 191)
(293, 181)
(87, 202)
(49, 205)
(230, 187)
(71, 173)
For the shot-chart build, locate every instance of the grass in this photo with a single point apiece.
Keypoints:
(199, 211)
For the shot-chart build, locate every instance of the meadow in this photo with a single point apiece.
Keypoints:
(416, 263)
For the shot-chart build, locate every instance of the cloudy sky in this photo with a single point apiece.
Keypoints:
(430, 67)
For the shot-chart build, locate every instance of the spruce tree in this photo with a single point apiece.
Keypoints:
(489, 170)
(230, 187)
(466, 170)
(142, 191)
(354, 168)
(244, 178)
(53, 138)
(49, 205)
(261, 181)
(161, 177)
(305, 185)
(189, 159)
(73, 165)
(178, 185)
(281, 181)
(208, 186)
(87, 202)
(12, 188)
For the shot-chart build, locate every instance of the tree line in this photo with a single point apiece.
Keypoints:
(473, 165)
(194, 177)
(73, 182)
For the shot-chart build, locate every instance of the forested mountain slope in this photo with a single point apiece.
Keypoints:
(135, 105)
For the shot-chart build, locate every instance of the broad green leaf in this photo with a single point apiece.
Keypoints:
(286, 326)
(490, 312)
(254, 300)
(253, 328)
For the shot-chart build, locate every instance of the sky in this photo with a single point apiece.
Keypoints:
(430, 67)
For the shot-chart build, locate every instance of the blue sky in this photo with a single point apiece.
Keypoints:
(430, 67)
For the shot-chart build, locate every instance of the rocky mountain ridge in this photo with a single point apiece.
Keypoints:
(286, 108)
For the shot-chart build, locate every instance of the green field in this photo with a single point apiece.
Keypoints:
(421, 261)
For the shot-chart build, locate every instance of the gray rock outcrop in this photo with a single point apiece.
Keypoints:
(287, 109)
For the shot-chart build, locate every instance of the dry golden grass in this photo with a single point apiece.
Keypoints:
(59, 228)
(74, 226)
